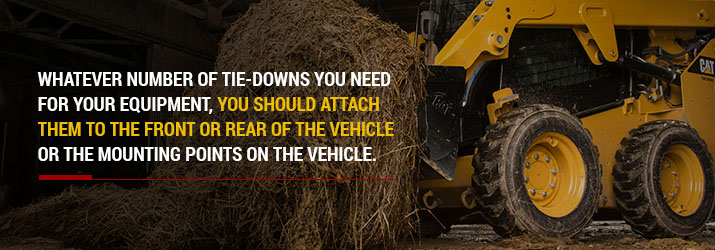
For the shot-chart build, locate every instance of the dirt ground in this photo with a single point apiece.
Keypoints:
(600, 235)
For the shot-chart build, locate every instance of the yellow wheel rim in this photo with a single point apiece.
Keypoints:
(554, 174)
(682, 180)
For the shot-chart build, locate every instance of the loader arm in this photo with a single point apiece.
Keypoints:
(485, 36)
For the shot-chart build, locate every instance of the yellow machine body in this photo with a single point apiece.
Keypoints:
(594, 23)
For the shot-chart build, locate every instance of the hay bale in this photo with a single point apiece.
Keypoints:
(318, 35)
(274, 35)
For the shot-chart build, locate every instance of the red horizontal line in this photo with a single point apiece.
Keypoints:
(65, 177)
(89, 178)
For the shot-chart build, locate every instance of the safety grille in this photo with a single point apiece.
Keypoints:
(550, 66)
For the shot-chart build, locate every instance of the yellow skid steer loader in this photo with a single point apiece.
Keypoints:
(541, 112)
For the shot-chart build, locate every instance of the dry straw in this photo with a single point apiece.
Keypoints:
(274, 35)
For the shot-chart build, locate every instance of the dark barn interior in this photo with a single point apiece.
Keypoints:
(136, 35)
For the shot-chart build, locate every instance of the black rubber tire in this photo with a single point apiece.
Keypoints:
(636, 182)
(498, 173)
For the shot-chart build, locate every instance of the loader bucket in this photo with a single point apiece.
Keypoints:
(439, 118)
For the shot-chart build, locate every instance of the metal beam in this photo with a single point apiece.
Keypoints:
(136, 20)
(58, 32)
(188, 9)
(29, 18)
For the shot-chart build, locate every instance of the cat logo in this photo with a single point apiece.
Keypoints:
(704, 66)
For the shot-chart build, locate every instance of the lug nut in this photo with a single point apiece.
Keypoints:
(677, 184)
(667, 164)
(526, 179)
(553, 171)
(675, 173)
(553, 185)
(533, 191)
(665, 196)
(478, 18)
(672, 195)
(528, 165)
(547, 159)
(489, 3)
(543, 194)
(536, 156)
